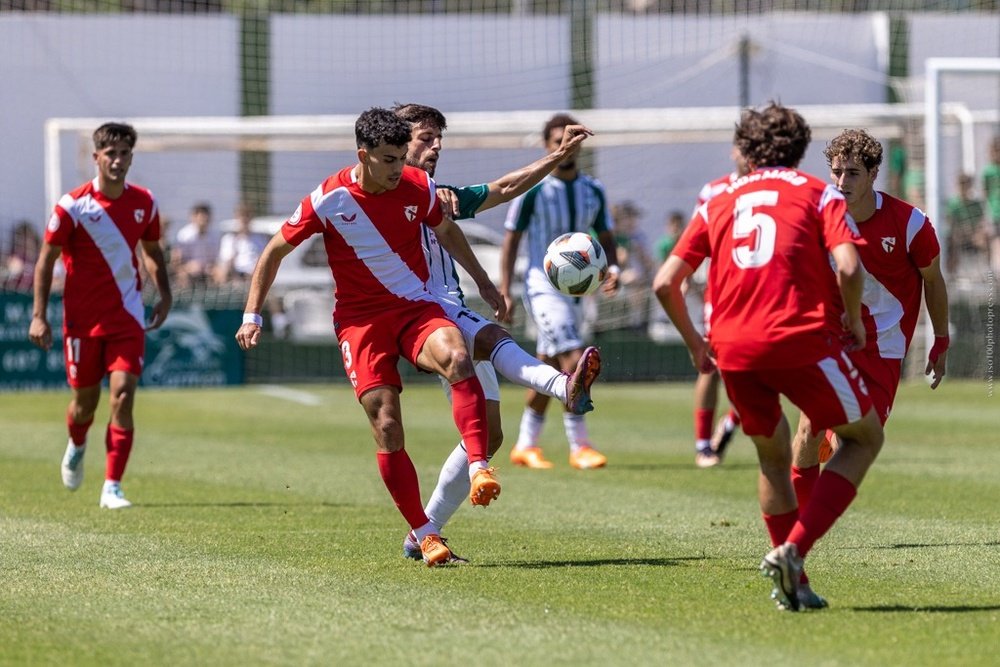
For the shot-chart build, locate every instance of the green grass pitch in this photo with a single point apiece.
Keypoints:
(262, 535)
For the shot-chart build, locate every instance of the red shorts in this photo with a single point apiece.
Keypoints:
(881, 375)
(830, 392)
(371, 348)
(90, 358)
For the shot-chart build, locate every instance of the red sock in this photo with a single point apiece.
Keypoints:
(119, 445)
(468, 409)
(779, 525)
(400, 477)
(77, 432)
(703, 423)
(833, 494)
(804, 480)
(734, 417)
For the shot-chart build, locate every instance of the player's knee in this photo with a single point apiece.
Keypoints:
(458, 365)
(388, 434)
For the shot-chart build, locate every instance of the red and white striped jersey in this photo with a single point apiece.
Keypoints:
(900, 241)
(373, 241)
(98, 237)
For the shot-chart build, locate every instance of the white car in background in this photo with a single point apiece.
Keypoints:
(305, 285)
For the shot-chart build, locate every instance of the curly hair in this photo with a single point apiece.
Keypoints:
(421, 114)
(560, 120)
(857, 144)
(378, 126)
(775, 136)
(110, 134)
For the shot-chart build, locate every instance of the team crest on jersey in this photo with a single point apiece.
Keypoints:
(140, 215)
(410, 212)
(888, 243)
(296, 216)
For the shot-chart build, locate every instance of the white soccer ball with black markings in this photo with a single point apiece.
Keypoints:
(576, 264)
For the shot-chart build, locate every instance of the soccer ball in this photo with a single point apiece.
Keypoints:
(575, 264)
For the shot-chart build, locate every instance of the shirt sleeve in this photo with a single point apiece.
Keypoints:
(693, 246)
(470, 198)
(521, 209)
(925, 246)
(60, 225)
(303, 223)
(152, 231)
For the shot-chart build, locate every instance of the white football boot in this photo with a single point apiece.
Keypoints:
(72, 466)
(112, 496)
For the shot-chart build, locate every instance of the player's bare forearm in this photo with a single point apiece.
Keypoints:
(936, 297)
(248, 335)
(156, 266)
(508, 255)
(521, 180)
(667, 287)
(39, 331)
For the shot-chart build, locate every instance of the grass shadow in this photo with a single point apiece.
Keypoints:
(595, 562)
(236, 504)
(934, 609)
(926, 545)
(682, 466)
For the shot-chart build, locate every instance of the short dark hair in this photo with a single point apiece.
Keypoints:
(857, 144)
(560, 120)
(775, 136)
(111, 133)
(421, 114)
(202, 207)
(378, 126)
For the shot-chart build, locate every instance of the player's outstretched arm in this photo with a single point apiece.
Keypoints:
(521, 180)
(936, 298)
(667, 287)
(248, 335)
(39, 331)
(156, 266)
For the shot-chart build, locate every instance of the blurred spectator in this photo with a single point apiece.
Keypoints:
(991, 190)
(18, 268)
(672, 231)
(968, 237)
(633, 249)
(195, 248)
(239, 249)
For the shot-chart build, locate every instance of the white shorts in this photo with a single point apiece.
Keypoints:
(557, 319)
(487, 377)
(469, 322)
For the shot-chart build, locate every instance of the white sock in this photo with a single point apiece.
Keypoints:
(424, 530)
(576, 431)
(531, 427)
(521, 368)
(110, 485)
(75, 446)
(452, 488)
(702, 445)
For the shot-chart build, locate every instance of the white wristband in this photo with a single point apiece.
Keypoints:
(614, 270)
(253, 318)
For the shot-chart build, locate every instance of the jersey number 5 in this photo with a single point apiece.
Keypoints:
(747, 222)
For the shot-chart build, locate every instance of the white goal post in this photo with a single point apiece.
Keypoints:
(476, 130)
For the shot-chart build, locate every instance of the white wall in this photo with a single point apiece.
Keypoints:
(110, 67)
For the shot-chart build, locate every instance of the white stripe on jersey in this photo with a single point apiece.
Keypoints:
(91, 218)
(887, 312)
(842, 386)
(914, 225)
(344, 216)
(442, 281)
